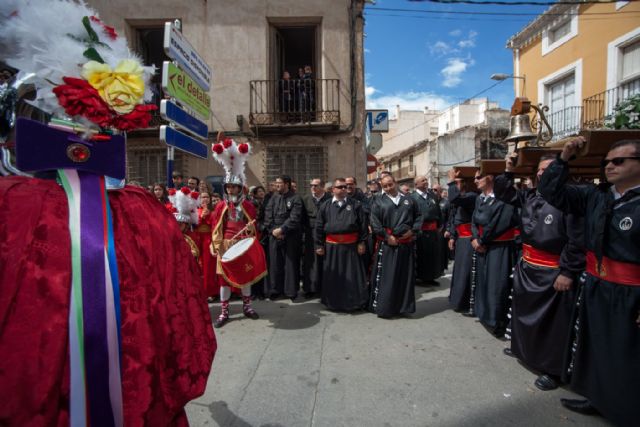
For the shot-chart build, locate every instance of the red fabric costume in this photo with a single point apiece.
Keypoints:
(207, 261)
(167, 339)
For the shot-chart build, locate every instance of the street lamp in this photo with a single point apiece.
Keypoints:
(502, 76)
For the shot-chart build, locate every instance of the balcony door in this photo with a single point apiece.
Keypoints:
(564, 112)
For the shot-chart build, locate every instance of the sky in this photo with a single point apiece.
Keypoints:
(434, 60)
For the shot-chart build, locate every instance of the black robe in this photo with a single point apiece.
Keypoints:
(393, 272)
(365, 201)
(428, 243)
(462, 206)
(541, 316)
(311, 263)
(344, 285)
(494, 266)
(284, 211)
(445, 209)
(605, 367)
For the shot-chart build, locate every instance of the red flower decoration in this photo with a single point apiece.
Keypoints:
(79, 98)
(185, 190)
(171, 191)
(170, 207)
(139, 118)
(194, 195)
(243, 148)
(227, 142)
(217, 148)
(111, 32)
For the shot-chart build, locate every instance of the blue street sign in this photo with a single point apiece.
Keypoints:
(183, 142)
(172, 113)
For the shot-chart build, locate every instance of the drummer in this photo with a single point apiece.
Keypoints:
(233, 219)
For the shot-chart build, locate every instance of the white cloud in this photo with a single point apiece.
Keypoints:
(369, 90)
(468, 42)
(408, 101)
(366, 50)
(440, 48)
(454, 69)
(455, 33)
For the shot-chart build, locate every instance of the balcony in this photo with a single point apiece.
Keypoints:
(281, 106)
(593, 113)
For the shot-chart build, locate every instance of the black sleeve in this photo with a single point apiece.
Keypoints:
(503, 188)
(363, 226)
(296, 215)
(466, 201)
(500, 222)
(375, 219)
(554, 189)
(572, 258)
(321, 219)
(417, 215)
(268, 215)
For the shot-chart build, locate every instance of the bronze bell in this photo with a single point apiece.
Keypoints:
(520, 129)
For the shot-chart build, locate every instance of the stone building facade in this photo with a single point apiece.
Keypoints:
(249, 44)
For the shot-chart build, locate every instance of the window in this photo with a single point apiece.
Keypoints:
(301, 163)
(148, 43)
(561, 98)
(399, 164)
(560, 32)
(630, 76)
(411, 163)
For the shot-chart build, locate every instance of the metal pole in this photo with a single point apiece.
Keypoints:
(170, 155)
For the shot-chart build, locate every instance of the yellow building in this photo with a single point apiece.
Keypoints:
(580, 60)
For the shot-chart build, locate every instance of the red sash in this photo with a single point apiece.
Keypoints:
(464, 230)
(342, 239)
(539, 257)
(429, 226)
(400, 241)
(622, 273)
(510, 234)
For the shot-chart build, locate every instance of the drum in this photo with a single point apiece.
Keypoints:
(244, 263)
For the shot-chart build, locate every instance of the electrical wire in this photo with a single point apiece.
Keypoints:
(391, 9)
(518, 3)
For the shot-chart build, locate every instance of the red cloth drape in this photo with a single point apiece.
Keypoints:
(167, 339)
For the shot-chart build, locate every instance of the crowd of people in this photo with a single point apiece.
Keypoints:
(553, 269)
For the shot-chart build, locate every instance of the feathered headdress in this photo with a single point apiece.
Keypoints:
(79, 65)
(232, 156)
(184, 205)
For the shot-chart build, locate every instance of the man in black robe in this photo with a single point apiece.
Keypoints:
(428, 242)
(355, 193)
(312, 263)
(463, 202)
(543, 281)
(395, 220)
(283, 222)
(605, 365)
(341, 233)
(445, 208)
(493, 229)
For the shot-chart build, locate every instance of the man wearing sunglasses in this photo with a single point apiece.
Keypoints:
(543, 290)
(605, 362)
(340, 235)
(428, 243)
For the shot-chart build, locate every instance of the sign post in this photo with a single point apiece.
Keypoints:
(187, 82)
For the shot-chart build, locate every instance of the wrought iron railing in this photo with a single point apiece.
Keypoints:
(597, 108)
(565, 122)
(291, 102)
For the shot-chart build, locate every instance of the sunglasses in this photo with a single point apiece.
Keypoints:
(617, 161)
(340, 187)
(478, 177)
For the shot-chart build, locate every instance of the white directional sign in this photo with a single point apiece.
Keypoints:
(378, 120)
(178, 48)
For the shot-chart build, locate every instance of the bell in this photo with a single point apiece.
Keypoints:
(520, 129)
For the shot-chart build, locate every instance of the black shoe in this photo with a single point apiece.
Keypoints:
(499, 331)
(546, 382)
(309, 295)
(580, 406)
(220, 322)
(250, 313)
(469, 314)
(274, 297)
(507, 352)
(432, 283)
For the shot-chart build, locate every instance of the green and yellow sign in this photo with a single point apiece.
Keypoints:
(177, 84)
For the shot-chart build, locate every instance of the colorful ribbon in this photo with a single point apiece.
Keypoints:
(94, 315)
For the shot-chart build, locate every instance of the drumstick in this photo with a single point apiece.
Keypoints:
(243, 230)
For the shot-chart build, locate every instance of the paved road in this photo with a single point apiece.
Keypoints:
(300, 365)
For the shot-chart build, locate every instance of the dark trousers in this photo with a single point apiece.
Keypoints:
(284, 265)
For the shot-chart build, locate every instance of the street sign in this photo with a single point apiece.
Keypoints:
(378, 120)
(178, 48)
(183, 142)
(372, 163)
(172, 113)
(177, 84)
